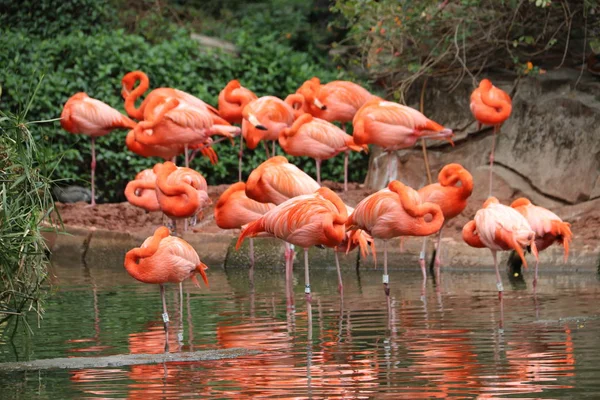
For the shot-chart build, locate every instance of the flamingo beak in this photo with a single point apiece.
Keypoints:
(318, 103)
(256, 123)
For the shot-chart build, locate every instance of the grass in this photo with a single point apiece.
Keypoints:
(25, 206)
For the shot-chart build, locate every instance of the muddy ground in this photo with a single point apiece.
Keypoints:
(123, 217)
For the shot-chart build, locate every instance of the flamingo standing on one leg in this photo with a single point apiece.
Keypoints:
(161, 259)
(333, 101)
(83, 114)
(392, 212)
(181, 192)
(306, 221)
(548, 228)
(234, 210)
(393, 126)
(451, 198)
(141, 192)
(490, 106)
(275, 181)
(263, 119)
(317, 139)
(499, 227)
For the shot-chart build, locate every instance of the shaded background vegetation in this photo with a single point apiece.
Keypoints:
(88, 45)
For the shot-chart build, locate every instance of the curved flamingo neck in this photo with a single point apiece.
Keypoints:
(328, 194)
(133, 256)
(522, 201)
(303, 119)
(132, 96)
(503, 108)
(470, 236)
(452, 176)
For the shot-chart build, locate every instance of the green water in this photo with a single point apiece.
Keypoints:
(455, 340)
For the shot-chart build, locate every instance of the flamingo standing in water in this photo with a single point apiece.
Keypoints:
(234, 210)
(392, 212)
(454, 187)
(317, 139)
(88, 116)
(155, 102)
(141, 192)
(275, 181)
(181, 192)
(263, 119)
(309, 220)
(548, 228)
(393, 126)
(499, 227)
(490, 106)
(163, 258)
(333, 101)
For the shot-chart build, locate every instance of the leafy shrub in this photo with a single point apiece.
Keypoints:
(96, 63)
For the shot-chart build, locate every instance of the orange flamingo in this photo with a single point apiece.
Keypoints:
(548, 228)
(392, 212)
(163, 258)
(263, 119)
(310, 220)
(333, 101)
(82, 114)
(181, 192)
(499, 227)
(232, 100)
(179, 124)
(490, 106)
(393, 126)
(141, 192)
(451, 198)
(275, 181)
(317, 139)
(234, 210)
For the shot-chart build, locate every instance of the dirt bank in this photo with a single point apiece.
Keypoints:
(123, 217)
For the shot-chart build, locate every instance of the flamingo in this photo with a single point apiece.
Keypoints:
(333, 101)
(163, 258)
(156, 100)
(181, 191)
(275, 181)
(141, 192)
(83, 114)
(393, 126)
(317, 139)
(168, 152)
(490, 106)
(499, 227)
(451, 198)
(392, 212)
(263, 119)
(234, 210)
(309, 220)
(548, 228)
(232, 100)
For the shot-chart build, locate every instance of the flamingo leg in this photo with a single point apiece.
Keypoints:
(422, 258)
(386, 277)
(492, 158)
(318, 171)
(251, 253)
(535, 278)
(240, 154)
(93, 165)
(339, 272)
(438, 253)
(274, 144)
(180, 334)
(187, 156)
(165, 317)
(266, 149)
(498, 279)
(346, 155)
(306, 277)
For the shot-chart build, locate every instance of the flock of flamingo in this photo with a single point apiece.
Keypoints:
(279, 199)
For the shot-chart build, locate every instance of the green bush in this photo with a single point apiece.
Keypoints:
(95, 64)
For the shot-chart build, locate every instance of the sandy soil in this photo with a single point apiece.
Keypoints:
(127, 218)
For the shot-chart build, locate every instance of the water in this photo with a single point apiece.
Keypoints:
(457, 340)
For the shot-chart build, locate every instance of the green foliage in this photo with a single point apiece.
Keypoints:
(401, 42)
(76, 61)
(25, 202)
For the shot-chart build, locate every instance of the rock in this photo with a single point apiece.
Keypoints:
(72, 194)
(549, 149)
